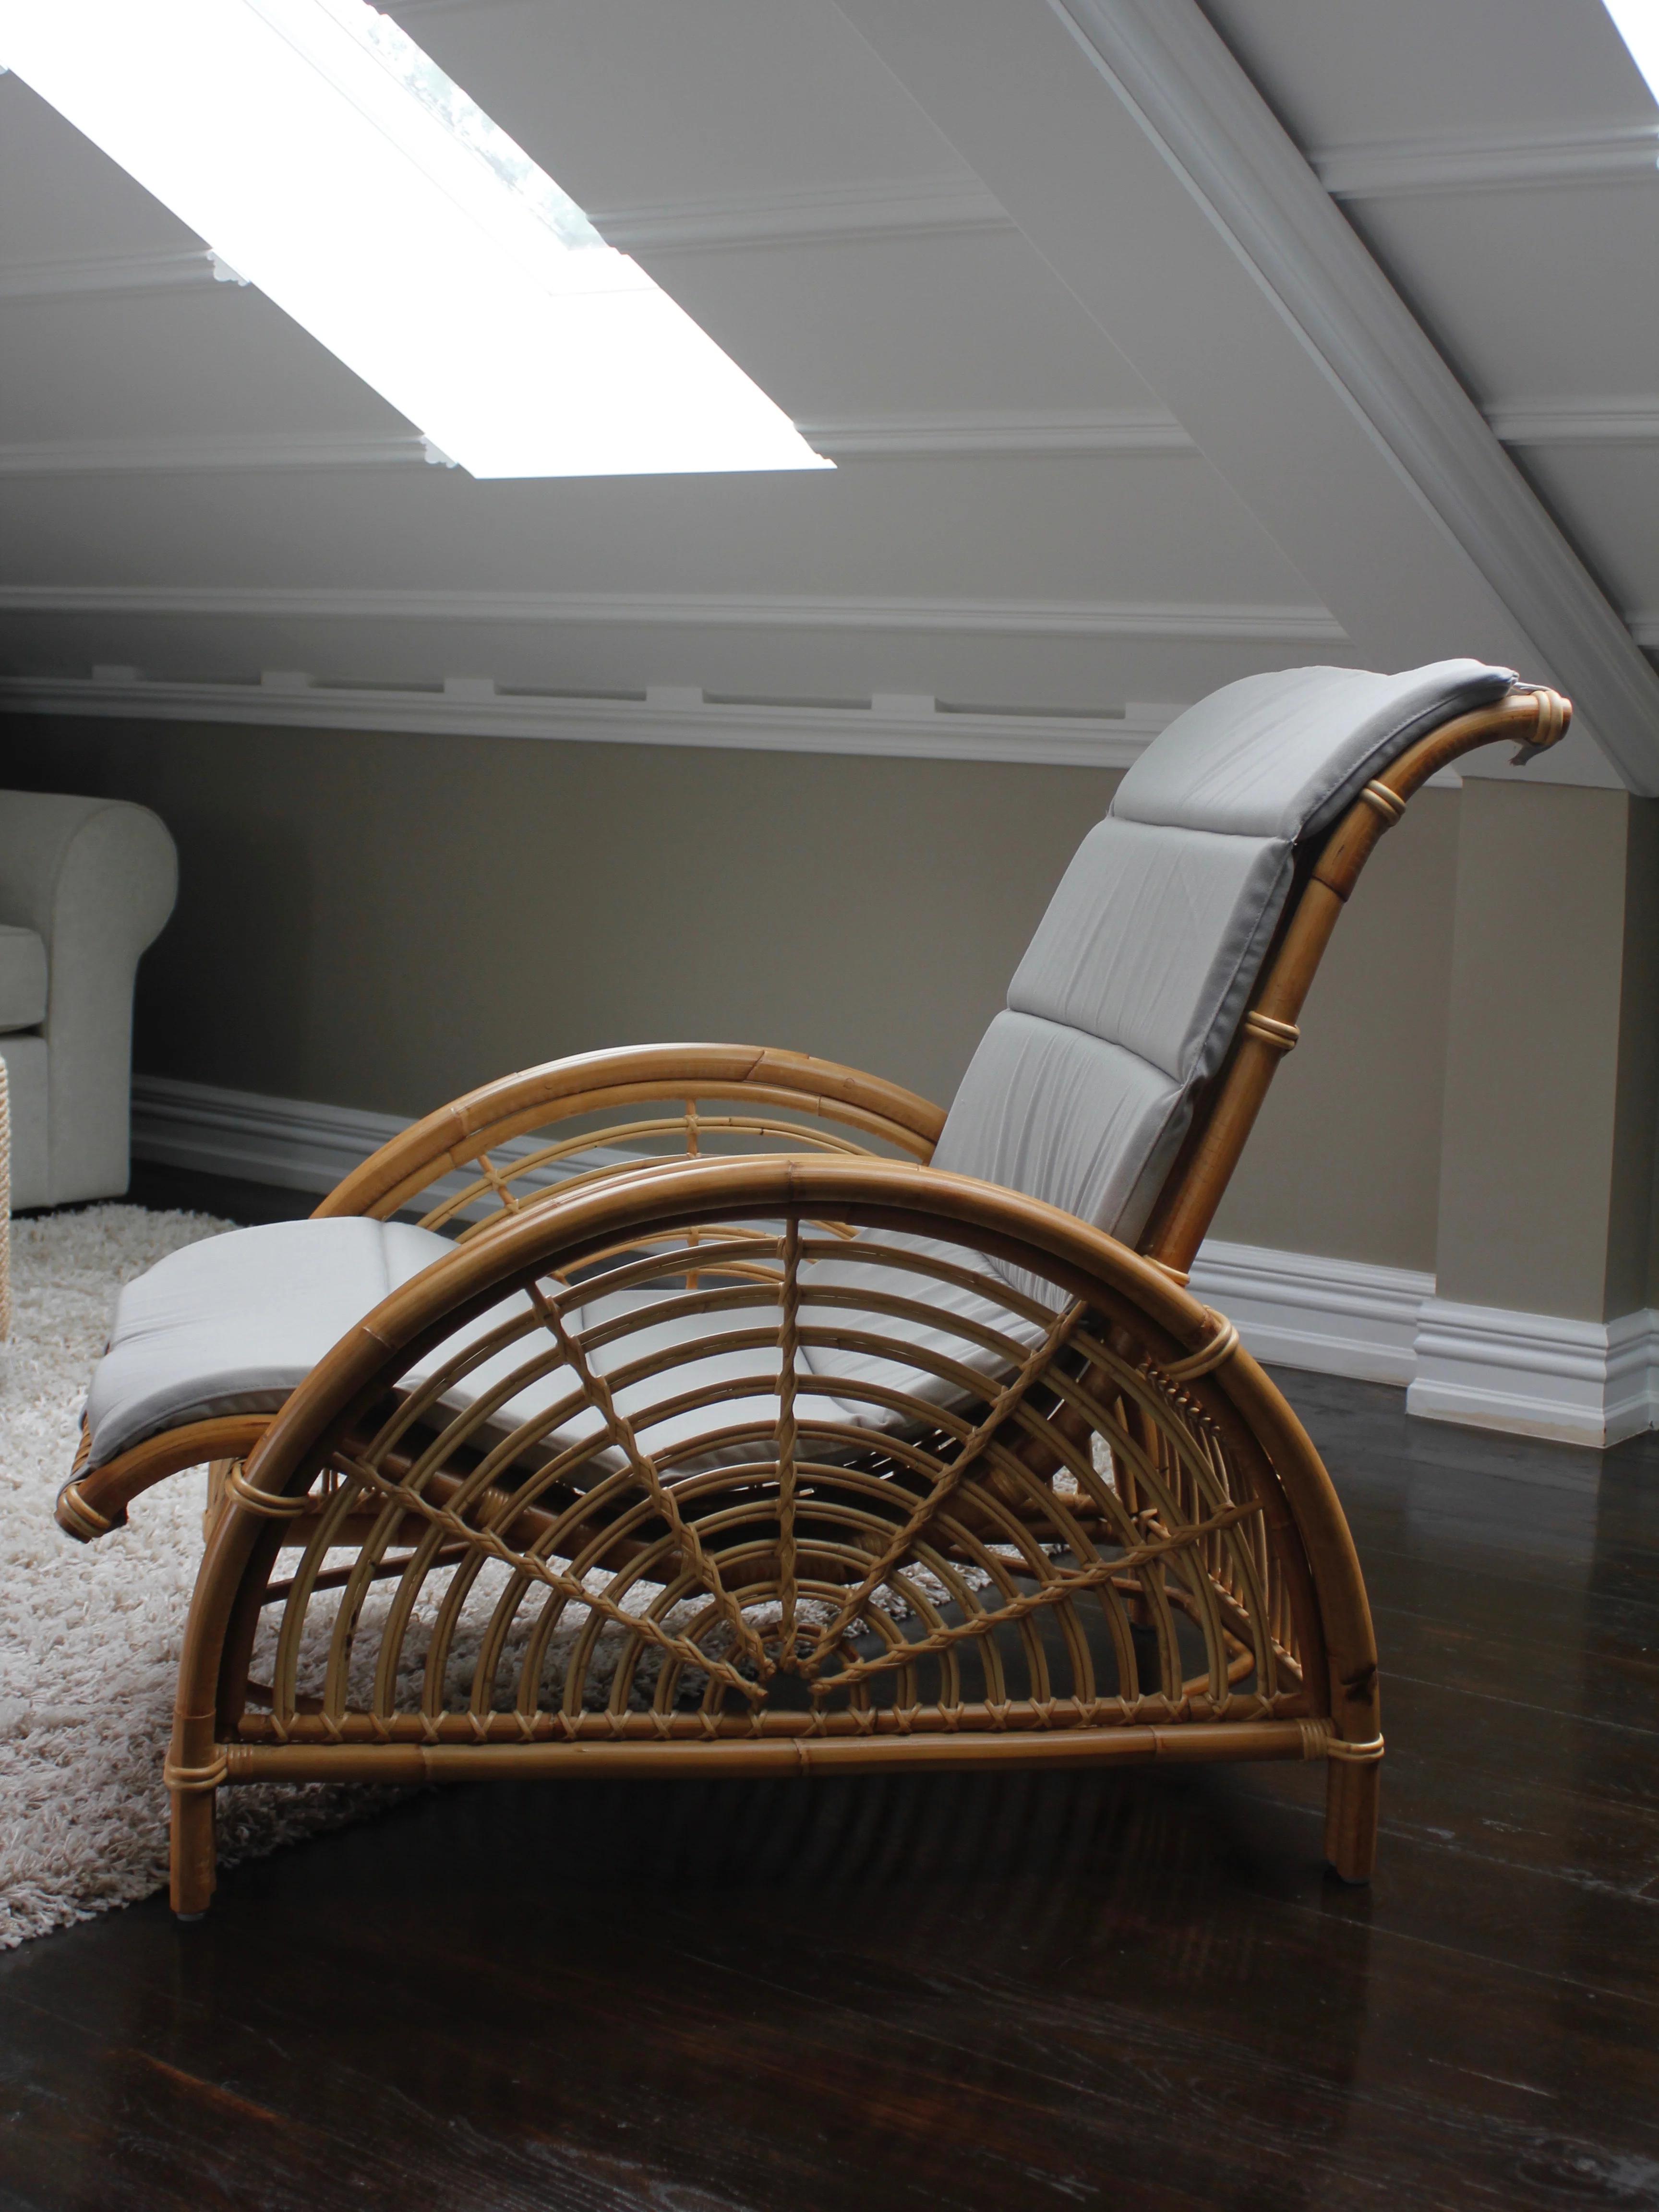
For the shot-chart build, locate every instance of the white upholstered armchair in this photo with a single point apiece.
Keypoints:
(85, 886)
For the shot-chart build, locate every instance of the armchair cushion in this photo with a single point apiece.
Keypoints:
(1282, 755)
(1151, 936)
(232, 1324)
(1080, 1094)
(1135, 984)
(23, 978)
(1045, 1107)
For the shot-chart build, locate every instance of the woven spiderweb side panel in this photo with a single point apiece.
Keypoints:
(793, 1481)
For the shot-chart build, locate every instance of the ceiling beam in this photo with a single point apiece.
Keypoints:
(1073, 434)
(1134, 153)
(874, 208)
(1579, 420)
(1400, 168)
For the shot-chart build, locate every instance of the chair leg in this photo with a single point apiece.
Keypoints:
(194, 1851)
(1353, 1790)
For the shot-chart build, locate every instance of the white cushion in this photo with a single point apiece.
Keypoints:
(661, 1436)
(1153, 936)
(232, 1324)
(23, 978)
(1080, 1092)
(948, 1330)
(1062, 1115)
(1132, 989)
(1280, 756)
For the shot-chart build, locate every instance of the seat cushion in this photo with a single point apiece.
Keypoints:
(232, 1324)
(23, 978)
(638, 1340)
(930, 1357)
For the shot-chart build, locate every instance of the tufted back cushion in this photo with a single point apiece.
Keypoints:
(1128, 998)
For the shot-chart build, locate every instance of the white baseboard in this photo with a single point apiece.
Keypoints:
(1535, 1374)
(293, 1143)
(1336, 1316)
(290, 1142)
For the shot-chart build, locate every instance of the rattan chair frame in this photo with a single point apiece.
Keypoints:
(721, 1210)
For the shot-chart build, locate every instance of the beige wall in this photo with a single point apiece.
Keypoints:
(1547, 1165)
(383, 922)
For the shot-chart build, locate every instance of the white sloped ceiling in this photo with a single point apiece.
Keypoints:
(1045, 512)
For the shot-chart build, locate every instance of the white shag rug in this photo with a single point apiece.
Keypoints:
(89, 1633)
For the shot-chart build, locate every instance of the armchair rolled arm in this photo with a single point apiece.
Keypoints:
(96, 879)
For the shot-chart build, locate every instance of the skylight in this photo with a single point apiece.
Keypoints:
(328, 160)
(1638, 26)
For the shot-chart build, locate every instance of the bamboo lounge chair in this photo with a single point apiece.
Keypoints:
(699, 1409)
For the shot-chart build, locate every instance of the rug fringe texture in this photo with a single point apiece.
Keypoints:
(91, 1633)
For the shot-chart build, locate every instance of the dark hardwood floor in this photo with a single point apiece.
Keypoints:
(1127, 1991)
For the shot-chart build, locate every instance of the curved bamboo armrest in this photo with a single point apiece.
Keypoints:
(92, 1503)
(459, 1136)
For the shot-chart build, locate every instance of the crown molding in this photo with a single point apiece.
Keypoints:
(1402, 167)
(1576, 422)
(1276, 625)
(402, 9)
(907, 728)
(1078, 436)
(1169, 67)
